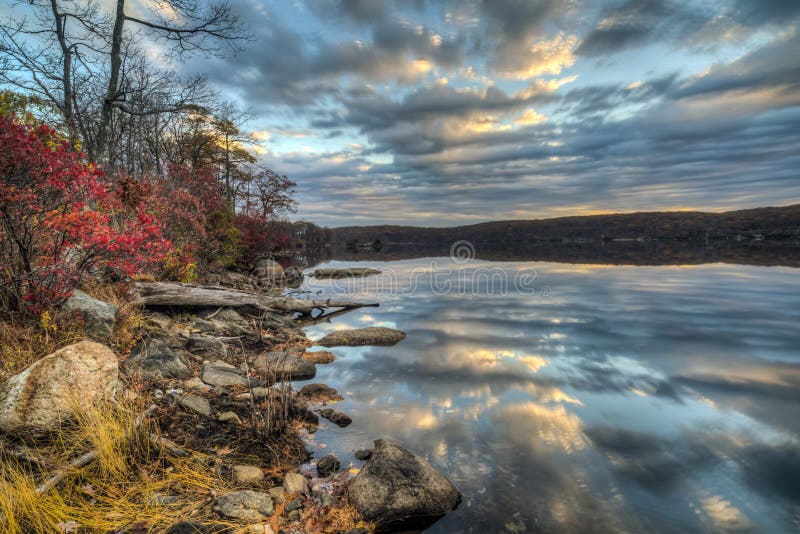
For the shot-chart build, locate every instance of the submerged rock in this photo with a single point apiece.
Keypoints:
(283, 365)
(338, 418)
(347, 272)
(44, 396)
(371, 335)
(328, 465)
(99, 316)
(397, 488)
(247, 505)
(363, 454)
(320, 392)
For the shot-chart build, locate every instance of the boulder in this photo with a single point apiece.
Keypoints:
(247, 505)
(41, 398)
(338, 418)
(99, 316)
(268, 272)
(398, 489)
(280, 365)
(347, 272)
(294, 483)
(207, 346)
(328, 465)
(154, 358)
(371, 335)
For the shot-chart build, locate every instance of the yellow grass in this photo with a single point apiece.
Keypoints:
(115, 492)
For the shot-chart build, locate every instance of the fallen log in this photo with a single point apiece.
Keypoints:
(345, 272)
(187, 296)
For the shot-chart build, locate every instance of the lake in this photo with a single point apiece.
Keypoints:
(581, 398)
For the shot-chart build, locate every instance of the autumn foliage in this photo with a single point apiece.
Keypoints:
(61, 221)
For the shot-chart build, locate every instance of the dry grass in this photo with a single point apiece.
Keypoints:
(130, 317)
(23, 341)
(116, 492)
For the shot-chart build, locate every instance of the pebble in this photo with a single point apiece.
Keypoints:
(294, 483)
(247, 474)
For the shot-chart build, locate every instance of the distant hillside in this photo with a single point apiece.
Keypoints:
(752, 224)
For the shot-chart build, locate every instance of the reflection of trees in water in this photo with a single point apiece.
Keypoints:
(777, 253)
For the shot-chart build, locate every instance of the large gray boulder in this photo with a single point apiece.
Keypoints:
(371, 335)
(99, 316)
(397, 488)
(44, 396)
(283, 365)
(156, 359)
(223, 374)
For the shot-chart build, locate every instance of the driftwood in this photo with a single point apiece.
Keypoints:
(345, 272)
(188, 296)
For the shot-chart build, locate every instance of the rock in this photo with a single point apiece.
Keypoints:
(268, 272)
(351, 272)
(156, 359)
(207, 346)
(229, 315)
(320, 392)
(358, 530)
(319, 357)
(158, 321)
(235, 280)
(188, 527)
(277, 494)
(41, 398)
(293, 274)
(397, 488)
(324, 498)
(247, 474)
(229, 417)
(223, 374)
(196, 404)
(247, 505)
(196, 384)
(299, 410)
(99, 316)
(260, 529)
(371, 335)
(208, 326)
(294, 515)
(338, 418)
(280, 365)
(294, 504)
(328, 465)
(294, 483)
(363, 454)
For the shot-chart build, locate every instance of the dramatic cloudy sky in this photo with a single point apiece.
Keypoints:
(454, 112)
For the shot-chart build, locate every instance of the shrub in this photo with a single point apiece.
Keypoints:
(58, 221)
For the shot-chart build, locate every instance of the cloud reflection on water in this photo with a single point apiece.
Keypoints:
(629, 399)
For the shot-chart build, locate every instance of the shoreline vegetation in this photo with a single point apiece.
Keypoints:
(198, 426)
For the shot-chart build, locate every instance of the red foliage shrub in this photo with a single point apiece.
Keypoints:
(58, 221)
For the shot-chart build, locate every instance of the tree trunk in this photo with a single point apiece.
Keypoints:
(113, 82)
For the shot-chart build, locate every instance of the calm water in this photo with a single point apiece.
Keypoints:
(592, 399)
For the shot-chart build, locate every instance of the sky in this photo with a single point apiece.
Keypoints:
(443, 113)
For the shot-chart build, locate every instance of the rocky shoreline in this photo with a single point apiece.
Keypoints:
(218, 371)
